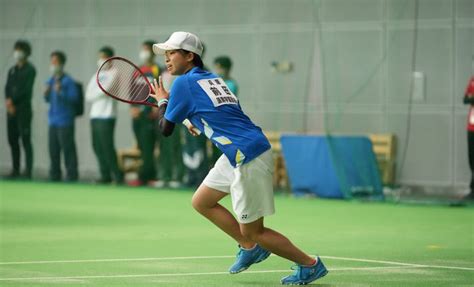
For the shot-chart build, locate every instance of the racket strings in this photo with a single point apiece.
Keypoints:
(122, 80)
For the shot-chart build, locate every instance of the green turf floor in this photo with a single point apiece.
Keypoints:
(139, 236)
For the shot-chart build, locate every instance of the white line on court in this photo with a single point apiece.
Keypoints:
(187, 274)
(229, 256)
(116, 260)
(399, 263)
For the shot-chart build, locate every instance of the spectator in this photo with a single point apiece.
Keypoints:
(143, 120)
(170, 162)
(469, 100)
(62, 95)
(223, 66)
(195, 159)
(18, 94)
(102, 114)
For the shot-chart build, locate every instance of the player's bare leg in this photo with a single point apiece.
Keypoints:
(275, 242)
(206, 202)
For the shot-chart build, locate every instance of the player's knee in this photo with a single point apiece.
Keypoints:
(197, 204)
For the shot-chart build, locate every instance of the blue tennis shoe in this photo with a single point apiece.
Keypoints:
(305, 274)
(247, 257)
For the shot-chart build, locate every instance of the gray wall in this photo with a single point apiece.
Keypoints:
(352, 66)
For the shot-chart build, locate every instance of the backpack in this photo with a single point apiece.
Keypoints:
(79, 107)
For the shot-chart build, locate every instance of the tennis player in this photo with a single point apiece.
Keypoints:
(244, 170)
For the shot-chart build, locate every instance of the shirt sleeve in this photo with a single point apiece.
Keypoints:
(179, 106)
(7, 85)
(93, 92)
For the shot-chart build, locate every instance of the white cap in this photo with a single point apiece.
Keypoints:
(180, 40)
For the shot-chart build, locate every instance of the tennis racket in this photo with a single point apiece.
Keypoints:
(122, 80)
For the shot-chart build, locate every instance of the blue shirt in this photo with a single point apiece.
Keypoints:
(61, 104)
(205, 99)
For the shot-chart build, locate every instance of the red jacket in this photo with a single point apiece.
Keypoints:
(470, 100)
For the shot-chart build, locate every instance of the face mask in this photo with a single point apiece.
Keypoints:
(144, 55)
(100, 62)
(18, 55)
(54, 69)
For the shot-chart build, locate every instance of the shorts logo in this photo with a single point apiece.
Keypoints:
(244, 216)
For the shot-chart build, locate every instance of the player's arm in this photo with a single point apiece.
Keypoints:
(179, 106)
(166, 127)
(161, 96)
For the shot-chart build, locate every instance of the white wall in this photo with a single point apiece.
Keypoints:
(365, 47)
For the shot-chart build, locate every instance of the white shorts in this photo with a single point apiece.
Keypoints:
(250, 185)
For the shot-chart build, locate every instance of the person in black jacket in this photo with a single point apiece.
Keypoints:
(18, 94)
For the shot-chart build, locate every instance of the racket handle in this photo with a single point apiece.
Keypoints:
(188, 124)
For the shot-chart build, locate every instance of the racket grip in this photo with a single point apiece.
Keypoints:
(188, 124)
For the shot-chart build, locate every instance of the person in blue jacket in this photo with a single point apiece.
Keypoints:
(63, 96)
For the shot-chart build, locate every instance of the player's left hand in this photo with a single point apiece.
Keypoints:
(192, 130)
(160, 92)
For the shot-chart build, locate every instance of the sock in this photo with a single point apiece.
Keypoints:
(312, 264)
(248, 249)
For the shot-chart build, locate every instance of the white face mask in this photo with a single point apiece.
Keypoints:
(18, 55)
(100, 62)
(144, 55)
(54, 69)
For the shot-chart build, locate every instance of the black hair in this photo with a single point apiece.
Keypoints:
(197, 61)
(203, 50)
(224, 61)
(24, 46)
(60, 55)
(149, 44)
(108, 51)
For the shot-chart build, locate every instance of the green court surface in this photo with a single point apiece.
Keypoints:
(66, 235)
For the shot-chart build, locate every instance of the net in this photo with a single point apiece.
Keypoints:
(357, 70)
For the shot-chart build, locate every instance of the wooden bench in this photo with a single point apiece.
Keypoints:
(280, 177)
(129, 159)
(384, 146)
